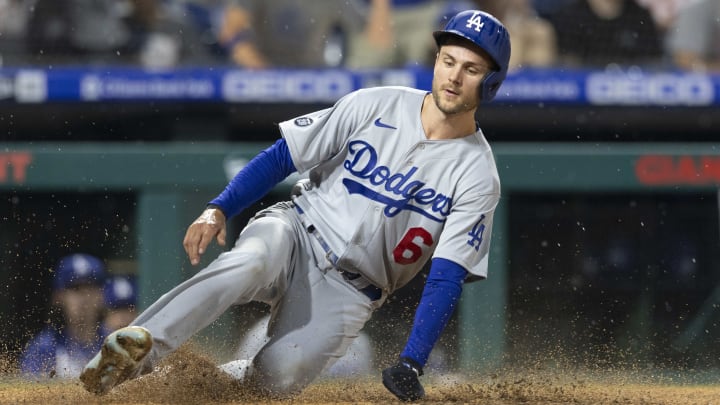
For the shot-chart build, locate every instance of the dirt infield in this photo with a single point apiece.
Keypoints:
(187, 378)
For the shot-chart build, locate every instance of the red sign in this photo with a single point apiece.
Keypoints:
(13, 166)
(669, 170)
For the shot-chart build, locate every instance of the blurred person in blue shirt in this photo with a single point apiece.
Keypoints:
(120, 295)
(66, 344)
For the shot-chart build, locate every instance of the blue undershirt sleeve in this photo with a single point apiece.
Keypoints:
(261, 174)
(439, 299)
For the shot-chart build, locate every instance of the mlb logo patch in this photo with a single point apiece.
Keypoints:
(303, 121)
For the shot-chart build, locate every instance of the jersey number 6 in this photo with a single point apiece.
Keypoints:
(408, 250)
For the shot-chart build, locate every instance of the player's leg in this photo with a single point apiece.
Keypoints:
(257, 268)
(251, 271)
(254, 339)
(313, 326)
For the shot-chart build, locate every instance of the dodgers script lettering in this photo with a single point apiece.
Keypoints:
(363, 164)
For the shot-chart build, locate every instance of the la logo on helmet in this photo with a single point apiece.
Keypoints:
(475, 21)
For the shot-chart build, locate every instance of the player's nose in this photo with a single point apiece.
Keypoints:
(454, 75)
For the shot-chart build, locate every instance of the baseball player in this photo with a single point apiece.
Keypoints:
(120, 295)
(63, 347)
(397, 177)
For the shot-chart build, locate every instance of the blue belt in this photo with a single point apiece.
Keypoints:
(371, 291)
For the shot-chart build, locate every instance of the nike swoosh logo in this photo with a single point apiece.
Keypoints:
(383, 125)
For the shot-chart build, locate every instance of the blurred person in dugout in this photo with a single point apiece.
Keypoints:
(260, 34)
(693, 42)
(600, 33)
(74, 332)
(120, 294)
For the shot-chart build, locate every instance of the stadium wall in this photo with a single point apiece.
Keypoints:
(171, 182)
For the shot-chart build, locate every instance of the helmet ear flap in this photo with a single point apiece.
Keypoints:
(489, 85)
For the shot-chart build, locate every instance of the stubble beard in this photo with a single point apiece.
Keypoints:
(449, 108)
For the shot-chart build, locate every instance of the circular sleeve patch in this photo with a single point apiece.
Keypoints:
(303, 121)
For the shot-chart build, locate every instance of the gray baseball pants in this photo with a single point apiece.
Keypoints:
(316, 313)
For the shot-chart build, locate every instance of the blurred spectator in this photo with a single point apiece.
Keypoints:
(14, 16)
(395, 33)
(149, 33)
(598, 33)
(694, 39)
(545, 8)
(66, 344)
(532, 38)
(66, 31)
(664, 12)
(288, 33)
(120, 296)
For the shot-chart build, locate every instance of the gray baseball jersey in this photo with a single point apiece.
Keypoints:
(385, 198)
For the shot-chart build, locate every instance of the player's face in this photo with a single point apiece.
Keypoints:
(81, 305)
(459, 70)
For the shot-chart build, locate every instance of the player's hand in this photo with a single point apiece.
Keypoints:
(210, 224)
(402, 380)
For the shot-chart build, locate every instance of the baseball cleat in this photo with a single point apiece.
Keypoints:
(238, 369)
(120, 358)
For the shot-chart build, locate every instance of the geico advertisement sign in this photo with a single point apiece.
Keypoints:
(320, 86)
(650, 89)
(94, 88)
(25, 86)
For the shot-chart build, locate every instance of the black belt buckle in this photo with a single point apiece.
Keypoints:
(350, 276)
(371, 291)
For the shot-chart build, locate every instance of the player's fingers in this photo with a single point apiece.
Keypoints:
(221, 237)
(191, 243)
(201, 232)
(208, 233)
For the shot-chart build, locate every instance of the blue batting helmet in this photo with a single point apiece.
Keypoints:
(121, 292)
(78, 269)
(488, 33)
